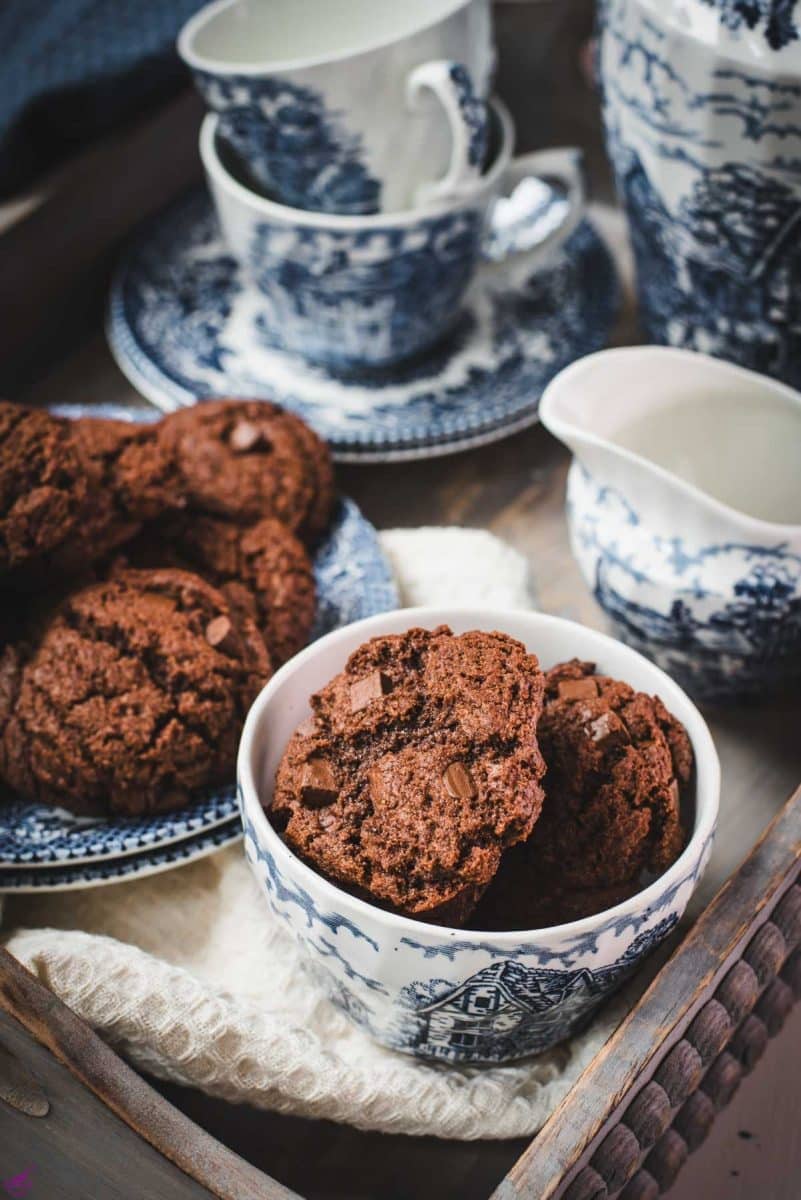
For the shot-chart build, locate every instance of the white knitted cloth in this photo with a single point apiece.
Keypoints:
(190, 977)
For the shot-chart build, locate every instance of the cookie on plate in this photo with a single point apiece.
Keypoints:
(418, 768)
(44, 487)
(262, 569)
(131, 480)
(130, 696)
(617, 764)
(248, 459)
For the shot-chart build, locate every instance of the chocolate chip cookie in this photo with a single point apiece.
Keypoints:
(130, 696)
(131, 479)
(43, 487)
(419, 766)
(248, 459)
(617, 762)
(262, 569)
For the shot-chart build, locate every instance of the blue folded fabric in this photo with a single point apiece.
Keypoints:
(73, 69)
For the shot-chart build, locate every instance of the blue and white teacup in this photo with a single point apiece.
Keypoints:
(367, 292)
(702, 104)
(357, 107)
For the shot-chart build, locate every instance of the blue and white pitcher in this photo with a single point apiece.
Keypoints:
(684, 509)
(702, 102)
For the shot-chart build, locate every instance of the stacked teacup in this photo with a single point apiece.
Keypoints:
(355, 160)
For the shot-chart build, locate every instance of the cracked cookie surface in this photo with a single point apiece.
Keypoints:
(617, 764)
(130, 696)
(248, 459)
(130, 478)
(419, 766)
(43, 486)
(263, 570)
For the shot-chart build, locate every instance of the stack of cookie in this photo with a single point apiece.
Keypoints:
(448, 778)
(152, 577)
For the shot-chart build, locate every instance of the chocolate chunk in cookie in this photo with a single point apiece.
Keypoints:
(617, 764)
(248, 459)
(420, 767)
(43, 487)
(262, 569)
(127, 698)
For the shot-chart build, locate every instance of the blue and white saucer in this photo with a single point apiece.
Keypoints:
(353, 581)
(95, 874)
(183, 323)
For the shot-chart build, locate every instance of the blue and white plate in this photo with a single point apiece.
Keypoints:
(182, 324)
(353, 581)
(134, 866)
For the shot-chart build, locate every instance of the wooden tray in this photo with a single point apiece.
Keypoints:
(73, 1113)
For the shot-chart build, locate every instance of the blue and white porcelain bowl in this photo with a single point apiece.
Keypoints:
(353, 292)
(459, 995)
(684, 507)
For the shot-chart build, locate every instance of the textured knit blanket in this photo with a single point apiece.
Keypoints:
(190, 977)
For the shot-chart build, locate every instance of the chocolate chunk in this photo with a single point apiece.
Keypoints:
(245, 436)
(318, 785)
(372, 687)
(578, 689)
(608, 731)
(458, 782)
(220, 634)
(378, 790)
(307, 728)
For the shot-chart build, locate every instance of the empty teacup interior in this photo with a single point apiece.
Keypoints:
(292, 33)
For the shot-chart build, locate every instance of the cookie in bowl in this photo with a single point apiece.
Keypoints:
(619, 766)
(418, 767)
(461, 992)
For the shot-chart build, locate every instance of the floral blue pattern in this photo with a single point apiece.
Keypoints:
(522, 999)
(474, 113)
(778, 19)
(707, 156)
(353, 581)
(725, 272)
(508, 1010)
(373, 298)
(666, 598)
(292, 146)
(178, 339)
(162, 857)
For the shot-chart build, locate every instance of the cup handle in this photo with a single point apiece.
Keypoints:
(468, 119)
(543, 202)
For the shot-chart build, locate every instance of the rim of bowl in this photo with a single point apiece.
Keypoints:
(707, 773)
(219, 66)
(261, 205)
(564, 429)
